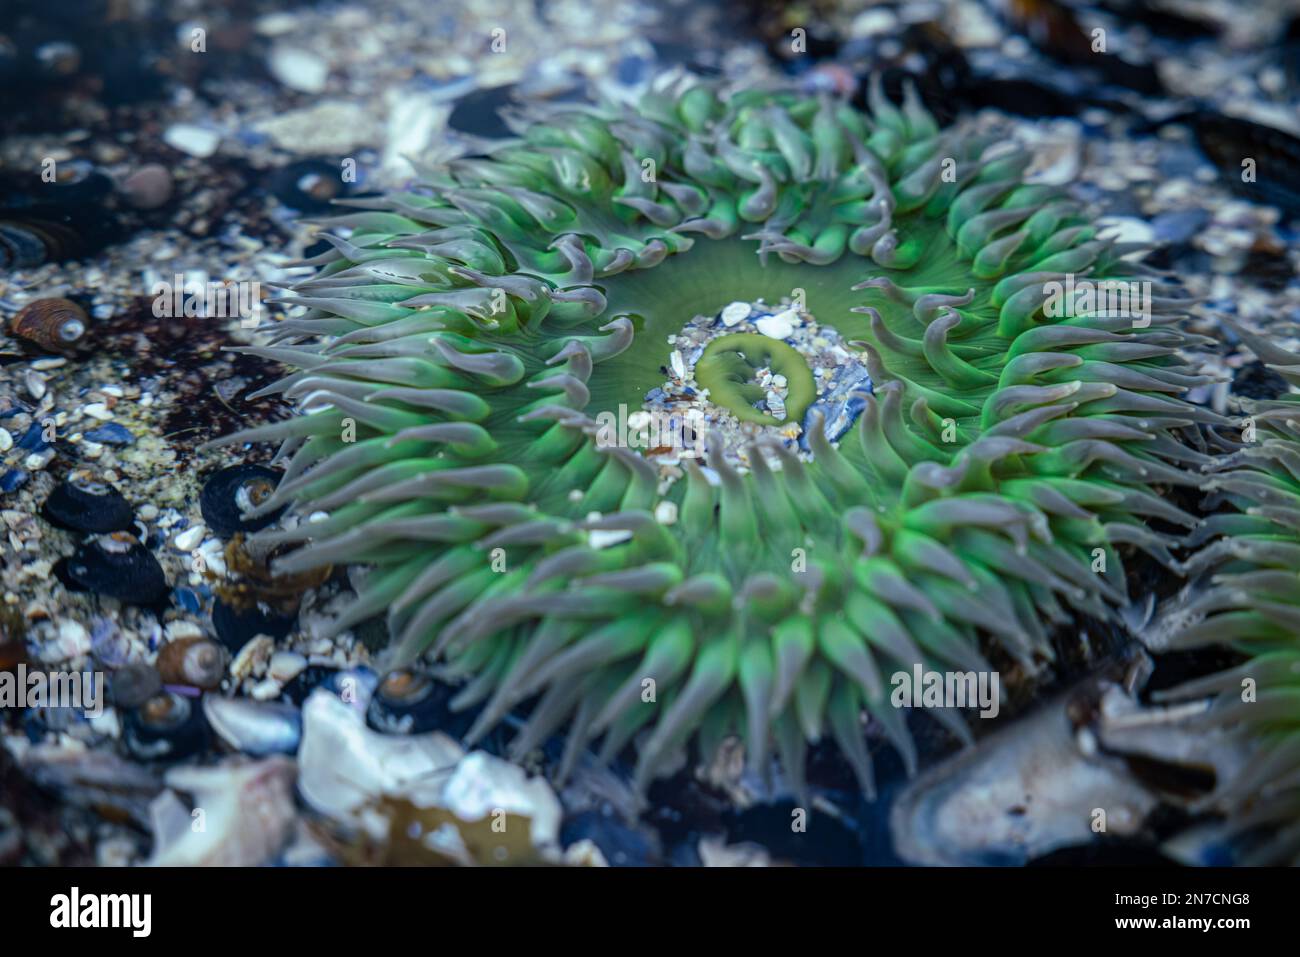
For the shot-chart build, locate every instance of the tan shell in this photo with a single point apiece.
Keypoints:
(195, 661)
(54, 324)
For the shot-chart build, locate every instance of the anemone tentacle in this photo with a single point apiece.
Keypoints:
(1244, 592)
(471, 328)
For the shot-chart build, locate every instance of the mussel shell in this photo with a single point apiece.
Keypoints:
(84, 505)
(236, 627)
(33, 235)
(229, 492)
(118, 566)
(21, 247)
(167, 727)
(407, 702)
(256, 728)
(134, 683)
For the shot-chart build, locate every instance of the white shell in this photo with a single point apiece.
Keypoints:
(735, 312)
(779, 326)
(246, 808)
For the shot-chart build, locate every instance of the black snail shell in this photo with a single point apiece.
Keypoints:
(237, 626)
(309, 186)
(406, 702)
(57, 325)
(118, 566)
(166, 727)
(197, 662)
(231, 492)
(134, 683)
(82, 504)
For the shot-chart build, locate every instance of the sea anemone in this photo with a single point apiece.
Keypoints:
(1244, 592)
(958, 484)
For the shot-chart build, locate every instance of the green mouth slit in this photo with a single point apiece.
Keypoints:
(727, 367)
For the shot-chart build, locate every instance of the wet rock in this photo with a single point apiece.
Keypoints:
(1020, 793)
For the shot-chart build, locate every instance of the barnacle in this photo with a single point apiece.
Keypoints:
(462, 337)
(1244, 591)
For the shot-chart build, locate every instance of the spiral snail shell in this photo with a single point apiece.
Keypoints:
(196, 661)
(54, 324)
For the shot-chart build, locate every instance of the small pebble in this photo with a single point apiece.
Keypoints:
(734, 313)
(189, 539)
(13, 480)
(38, 460)
(666, 513)
(194, 140)
(1125, 229)
(267, 689)
(286, 665)
(110, 434)
(35, 383)
(148, 187)
(298, 69)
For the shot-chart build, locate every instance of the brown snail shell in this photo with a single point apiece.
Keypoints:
(195, 661)
(54, 324)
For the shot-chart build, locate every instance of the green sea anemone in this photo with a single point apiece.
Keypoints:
(1244, 592)
(465, 337)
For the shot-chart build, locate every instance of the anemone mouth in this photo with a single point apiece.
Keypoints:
(462, 338)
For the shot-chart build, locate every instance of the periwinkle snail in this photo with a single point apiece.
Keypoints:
(194, 661)
(56, 325)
